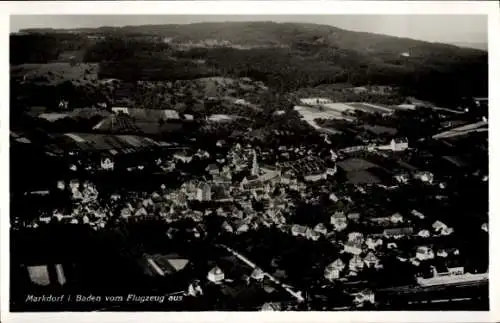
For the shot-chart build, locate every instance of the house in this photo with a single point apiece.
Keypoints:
(356, 263)
(442, 253)
(42, 274)
(194, 289)
(439, 226)
(339, 221)
(119, 110)
(426, 177)
(298, 230)
(353, 247)
(271, 306)
(363, 297)
(371, 260)
(417, 214)
(392, 245)
(312, 235)
(398, 233)
(212, 169)
(321, 229)
(373, 243)
(353, 217)
(424, 233)
(396, 218)
(402, 178)
(183, 157)
(204, 193)
(484, 227)
(424, 253)
(355, 237)
(333, 197)
(215, 275)
(333, 270)
(257, 274)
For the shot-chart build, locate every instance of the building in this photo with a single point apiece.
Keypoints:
(215, 275)
(299, 230)
(314, 101)
(424, 253)
(321, 229)
(397, 218)
(352, 247)
(364, 297)
(204, 193)
(426, 177)
(356, 263)
(372, 261)
(339, 221)
(424, 233)
(333, 270)
(398, 233)
(373, 243)
(395, 145)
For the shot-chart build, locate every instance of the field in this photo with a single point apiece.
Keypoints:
(310, 114)
(55, 73)
(376, 129)
(355, 164)
(370, 108)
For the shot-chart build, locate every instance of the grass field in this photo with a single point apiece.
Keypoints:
(55, 73)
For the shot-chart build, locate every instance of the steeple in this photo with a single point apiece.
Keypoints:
(255, 165)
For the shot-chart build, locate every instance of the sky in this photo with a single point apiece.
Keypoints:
(433, 28)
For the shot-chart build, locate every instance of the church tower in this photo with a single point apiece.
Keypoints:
(255, 165)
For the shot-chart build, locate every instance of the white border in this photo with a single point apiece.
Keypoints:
(252, 7)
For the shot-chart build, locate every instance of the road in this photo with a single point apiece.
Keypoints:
(296, 294)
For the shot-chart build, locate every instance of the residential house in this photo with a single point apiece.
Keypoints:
(333, 197)
(424, 233)
(372, 261)
(353, 247)
(397, 218)
(333, 270)
(373, 243)
(424, 253)
(426, 177)
(355, 237)
(312, 234)
(257, 274)
(484, 227)
(298, 230)
(356, 263)
(321, 229)
(417, 214)
(364, 297)
(215, 275)
(185, 158)
(339, 221)
(353, 217)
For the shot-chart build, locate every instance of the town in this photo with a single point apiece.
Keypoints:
(231, 195)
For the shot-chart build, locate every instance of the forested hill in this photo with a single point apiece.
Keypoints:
(284, 55)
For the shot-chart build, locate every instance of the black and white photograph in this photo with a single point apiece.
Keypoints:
(200, 163)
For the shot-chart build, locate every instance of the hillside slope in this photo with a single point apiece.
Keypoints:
(285, 56)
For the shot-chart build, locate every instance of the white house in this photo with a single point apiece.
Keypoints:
(372, 261)
(424, 233)
(439, 226)
(484, 227)
(418, 214)
(396, 218)
(339, 221)
(366, 296)
(258, 274)
(215, 275)
(355, 237)
(353, 248)
(120, 110)
(356, 263)
(372, 243)
(426, 177)
(424, 253)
